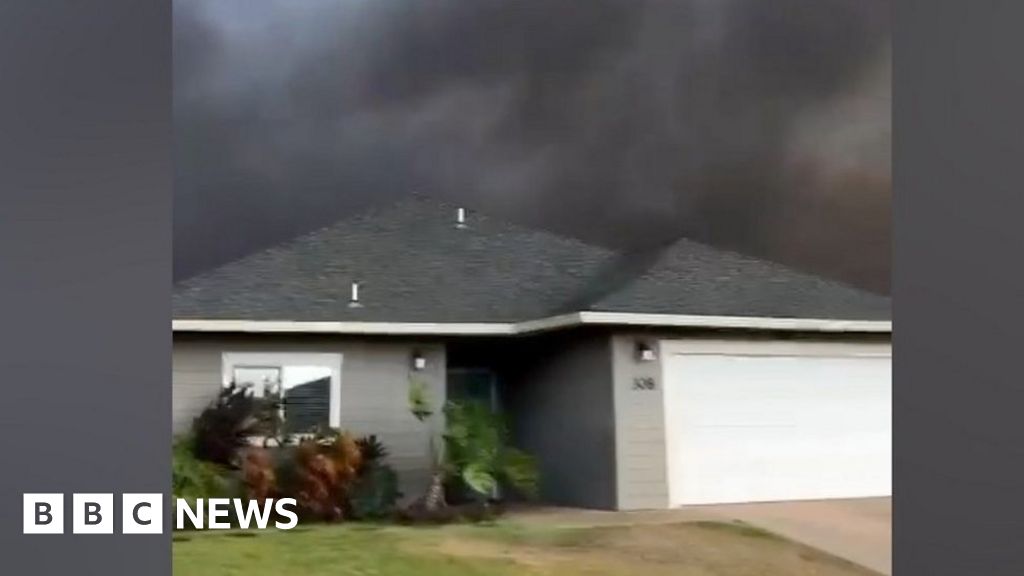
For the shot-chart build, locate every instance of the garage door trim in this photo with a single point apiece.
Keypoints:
(672, 347)
(771, 348)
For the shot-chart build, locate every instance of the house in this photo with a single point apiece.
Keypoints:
(686, 375)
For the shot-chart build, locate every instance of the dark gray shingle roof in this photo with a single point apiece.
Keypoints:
(692, 278)
(414, 265)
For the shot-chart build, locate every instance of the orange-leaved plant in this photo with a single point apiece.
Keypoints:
(258, 476)
(326, 468)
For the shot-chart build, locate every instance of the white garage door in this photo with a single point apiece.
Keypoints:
(777, 421)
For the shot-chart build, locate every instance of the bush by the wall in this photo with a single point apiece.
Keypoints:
(478, 453)
(194, 478)
(227, 425)
(375, 492)
(372, 450)
(259, 475)
(331, 474)
(325, 469)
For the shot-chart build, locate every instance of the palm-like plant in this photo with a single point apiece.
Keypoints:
(225, 427)
(475, 450)
(422, 410)
(478, 451)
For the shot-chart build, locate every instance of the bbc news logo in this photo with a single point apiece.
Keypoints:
(143, 513)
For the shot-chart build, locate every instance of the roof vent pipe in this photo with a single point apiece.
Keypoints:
(460, 218)
(353, 301)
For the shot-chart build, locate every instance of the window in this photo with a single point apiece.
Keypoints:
(308, 386)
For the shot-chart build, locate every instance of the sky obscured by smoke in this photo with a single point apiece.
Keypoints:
(762, 126)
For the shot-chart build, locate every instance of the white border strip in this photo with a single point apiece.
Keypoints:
(533, 326)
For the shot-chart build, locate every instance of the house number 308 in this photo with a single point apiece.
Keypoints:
(643, 384)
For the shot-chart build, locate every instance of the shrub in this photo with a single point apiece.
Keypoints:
(519, 470)
(226, 426)
(259, 478)
(478, 453)
(372, 450)
(325, 469)
(479, 511)
(193, 478)
(375, 492)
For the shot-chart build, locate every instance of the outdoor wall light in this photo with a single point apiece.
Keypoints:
(419, 362)
(644, 352)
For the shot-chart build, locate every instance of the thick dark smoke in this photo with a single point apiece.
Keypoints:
(758, 125)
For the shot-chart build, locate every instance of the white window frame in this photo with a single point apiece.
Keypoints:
(332, 361)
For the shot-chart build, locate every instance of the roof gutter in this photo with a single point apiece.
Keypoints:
(397, 328)
(534, 326)
(740, 322)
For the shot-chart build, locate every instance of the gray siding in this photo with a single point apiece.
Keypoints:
(561, 408)
(374, 387)
(640, 429)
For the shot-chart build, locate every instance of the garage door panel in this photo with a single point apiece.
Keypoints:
(759, 428)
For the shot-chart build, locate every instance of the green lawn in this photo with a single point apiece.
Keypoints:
(504, 548)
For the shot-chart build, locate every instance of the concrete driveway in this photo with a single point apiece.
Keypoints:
(857, 530)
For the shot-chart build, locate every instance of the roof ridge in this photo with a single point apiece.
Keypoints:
(473, 209)
(365, 213)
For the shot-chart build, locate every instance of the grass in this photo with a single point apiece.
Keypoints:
(503, 548)
(340, 550)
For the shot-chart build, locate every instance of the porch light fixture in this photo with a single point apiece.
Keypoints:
(460, 218)
(419, 362)
(644, 352)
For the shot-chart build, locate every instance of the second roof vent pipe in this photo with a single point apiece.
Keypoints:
(353, 301)
(460, 218)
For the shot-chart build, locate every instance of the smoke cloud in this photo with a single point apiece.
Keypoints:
(759, 126)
